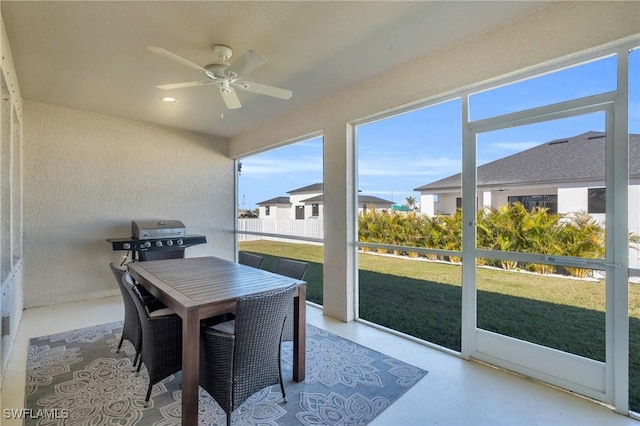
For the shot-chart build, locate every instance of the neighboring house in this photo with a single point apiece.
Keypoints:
(307, 203)
(564, 175)
(369, 202)
(275, 208)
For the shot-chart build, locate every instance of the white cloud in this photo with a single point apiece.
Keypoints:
(403, 166)
(267, 167)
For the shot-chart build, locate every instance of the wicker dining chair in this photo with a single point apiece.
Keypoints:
(161, 339)
(292, 269)
(131, 329)
(250, 259)
(240, 357)
(160, 255)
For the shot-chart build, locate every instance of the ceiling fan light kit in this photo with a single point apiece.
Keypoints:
(226, 76)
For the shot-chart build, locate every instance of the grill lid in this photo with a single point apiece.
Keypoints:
(157, 229)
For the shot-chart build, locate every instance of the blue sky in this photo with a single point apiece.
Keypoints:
(400, 153)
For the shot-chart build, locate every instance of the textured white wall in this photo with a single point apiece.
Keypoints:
(88, 175)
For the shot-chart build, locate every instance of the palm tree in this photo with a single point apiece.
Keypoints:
(411, 202)
(581, 236)
(542, 231)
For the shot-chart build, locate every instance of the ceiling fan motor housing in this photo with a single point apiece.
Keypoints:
(218, 69)
(222, 52)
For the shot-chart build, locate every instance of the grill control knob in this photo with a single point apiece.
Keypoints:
(126, 246)
(147, 244)
(180, 242)
(169, 242)
(158, 243)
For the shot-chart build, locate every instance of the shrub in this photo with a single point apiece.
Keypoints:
(510, 227)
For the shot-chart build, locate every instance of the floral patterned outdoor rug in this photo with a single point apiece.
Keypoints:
(77, 378)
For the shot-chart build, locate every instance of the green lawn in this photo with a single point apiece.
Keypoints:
(424, 299)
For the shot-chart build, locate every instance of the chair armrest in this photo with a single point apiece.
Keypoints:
(153, 304)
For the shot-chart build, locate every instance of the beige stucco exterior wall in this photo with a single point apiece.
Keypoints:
(560, 30)
(88, 175)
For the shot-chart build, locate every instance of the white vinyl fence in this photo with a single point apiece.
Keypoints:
(299, 229)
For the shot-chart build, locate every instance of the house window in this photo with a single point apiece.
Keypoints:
(299, 212)
(315, 210)
(459, 203)
(267, 210)
(597, 200)
(540, 201)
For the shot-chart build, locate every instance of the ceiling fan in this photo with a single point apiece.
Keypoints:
(226, 76)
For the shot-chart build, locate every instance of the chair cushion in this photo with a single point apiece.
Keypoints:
(161, 312)
(226, 327)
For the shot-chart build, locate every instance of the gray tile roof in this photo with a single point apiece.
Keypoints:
(319, 198)
(361, 199)
(315, 187)
(576, 159)
(316, 199)
(277, 200)
(320, 187)
(370, 199)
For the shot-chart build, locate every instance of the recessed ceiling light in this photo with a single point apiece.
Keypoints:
(169, 99)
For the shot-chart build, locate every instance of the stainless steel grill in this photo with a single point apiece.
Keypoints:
(157, 240)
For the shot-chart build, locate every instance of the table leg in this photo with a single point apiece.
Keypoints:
(300, 334)
(190, 368)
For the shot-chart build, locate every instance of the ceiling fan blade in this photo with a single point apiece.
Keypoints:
(187, 84)
(230, 98)
(264, 89)
(163, 52)
(247, 63)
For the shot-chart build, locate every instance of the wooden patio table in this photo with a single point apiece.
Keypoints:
(202, 287)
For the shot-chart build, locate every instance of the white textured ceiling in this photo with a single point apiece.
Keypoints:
(93, 55)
